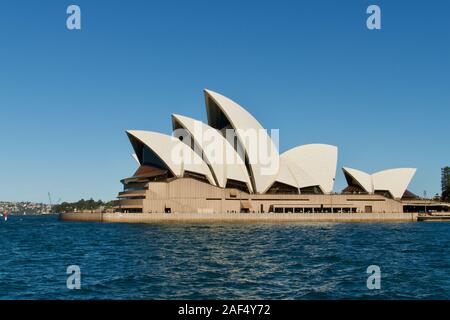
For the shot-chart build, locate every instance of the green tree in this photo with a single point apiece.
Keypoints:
(445, 182)
(82, 205)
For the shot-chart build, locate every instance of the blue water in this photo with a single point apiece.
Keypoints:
(222, 261)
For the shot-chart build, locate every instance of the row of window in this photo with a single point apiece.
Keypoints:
(313, 210)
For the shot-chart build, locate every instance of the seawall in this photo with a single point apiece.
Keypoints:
(237, 217)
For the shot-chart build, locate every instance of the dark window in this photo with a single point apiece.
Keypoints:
(196, 176)
(234, 184)
(149, 158)
(311, 190)
(281, 188)
(354, 189)
(132, 210)
(216, 118)
(384, 193)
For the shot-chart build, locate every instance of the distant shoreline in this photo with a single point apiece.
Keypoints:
(30, 214)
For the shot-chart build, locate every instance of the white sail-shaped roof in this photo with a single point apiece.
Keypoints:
(176, 156)
(223, 113)
(319, 161)
(395, 181)
(291, 174)
(224, 161)
(363, 179)
(285, 175)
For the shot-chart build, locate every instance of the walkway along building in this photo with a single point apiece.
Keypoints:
(232, 165)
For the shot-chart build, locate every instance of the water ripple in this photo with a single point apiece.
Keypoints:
(223, 261)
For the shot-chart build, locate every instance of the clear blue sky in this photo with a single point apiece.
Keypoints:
(310, 68)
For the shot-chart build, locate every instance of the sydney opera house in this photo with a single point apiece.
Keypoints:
(233, 165)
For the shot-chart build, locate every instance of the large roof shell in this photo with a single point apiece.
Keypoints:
(224, 161)
(225, 113)
(319, 161)
(291, 174)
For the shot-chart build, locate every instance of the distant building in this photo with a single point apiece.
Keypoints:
(445, 182)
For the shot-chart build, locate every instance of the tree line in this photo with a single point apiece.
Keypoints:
(445, 184)
(82, 205)
(445, 196)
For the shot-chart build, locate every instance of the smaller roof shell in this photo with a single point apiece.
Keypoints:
(177, 156)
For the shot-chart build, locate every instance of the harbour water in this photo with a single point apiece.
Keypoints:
(223, 261)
